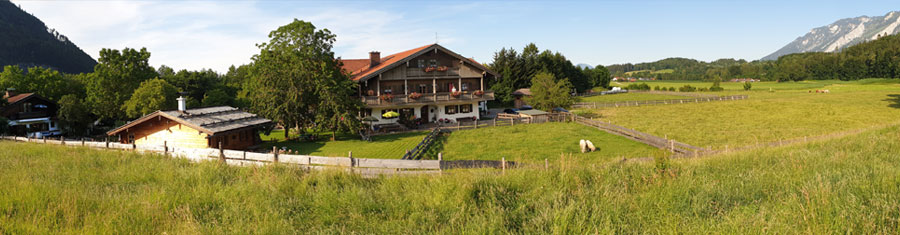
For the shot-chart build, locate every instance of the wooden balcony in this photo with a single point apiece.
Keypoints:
(30, 115)
(420, 72)
(430, 98)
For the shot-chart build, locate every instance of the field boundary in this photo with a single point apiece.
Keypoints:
(416, 153)
(673, 146)
(369, 167)
(594, 105)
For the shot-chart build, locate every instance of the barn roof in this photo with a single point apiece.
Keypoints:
(210, 120)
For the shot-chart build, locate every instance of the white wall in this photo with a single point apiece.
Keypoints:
(474, 113)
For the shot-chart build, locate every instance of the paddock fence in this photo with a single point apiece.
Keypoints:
(594, 105)
(367, 167)
(655, 141)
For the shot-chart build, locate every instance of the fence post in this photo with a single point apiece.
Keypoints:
(440, 156)
(476, 123)
(165, 147)
(62, 140)
(503, 164)
(275, 152)
(221, 153)
(44, 138)
(82, 141)
(107, 141)
(133, 146)
(457, 128)
(546, 164)
(350, 155)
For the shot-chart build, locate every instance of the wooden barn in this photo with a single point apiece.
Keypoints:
(195, 128)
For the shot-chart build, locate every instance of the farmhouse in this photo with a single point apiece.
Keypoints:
(30, 114)
(425, 84)
(194, 128)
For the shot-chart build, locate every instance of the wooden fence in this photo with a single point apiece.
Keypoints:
(656, 102)
(670, 145)
(364, 166)
(505, 120)
(420, 149)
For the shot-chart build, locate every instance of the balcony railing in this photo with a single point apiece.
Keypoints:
(420, 72)
(29, 115)
(426, 98)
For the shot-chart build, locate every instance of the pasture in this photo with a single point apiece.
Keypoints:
(633, 96)
(767, 116)
(391, 146)
(535, 142)
(738, 86)
(834, 186)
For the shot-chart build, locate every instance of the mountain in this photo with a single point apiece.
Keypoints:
(841, 34)
(26, 41)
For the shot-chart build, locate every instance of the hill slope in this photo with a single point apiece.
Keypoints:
(841, 34)
(26, 41)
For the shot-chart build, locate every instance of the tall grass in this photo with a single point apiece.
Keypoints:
(847, 185)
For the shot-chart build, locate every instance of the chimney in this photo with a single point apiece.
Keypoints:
(181, 104)
(374, 58)
(10, 92)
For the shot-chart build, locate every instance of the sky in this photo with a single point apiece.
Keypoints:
(197, 35)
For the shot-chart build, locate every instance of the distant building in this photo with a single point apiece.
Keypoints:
(744, 80)
(30, 114)
(520, 95)
(194, 128)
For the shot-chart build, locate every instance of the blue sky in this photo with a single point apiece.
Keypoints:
(216, 34)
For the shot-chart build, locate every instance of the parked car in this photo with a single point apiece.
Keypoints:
(560, 110)
(526, 107)
(511, 111)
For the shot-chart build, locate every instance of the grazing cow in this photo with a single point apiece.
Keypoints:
(590, 146)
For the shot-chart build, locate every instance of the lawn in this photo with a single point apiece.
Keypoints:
(391, 146)
(535, 142)
(835, 186)
(767, 116)
(634, 96)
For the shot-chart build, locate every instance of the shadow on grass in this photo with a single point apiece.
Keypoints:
(895, 101)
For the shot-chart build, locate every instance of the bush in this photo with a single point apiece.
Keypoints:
(747, 86)
(656, 88)
(671, 88)
(687, 88)
(716, 86)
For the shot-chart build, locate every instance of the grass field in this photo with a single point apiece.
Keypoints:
(768, 116)
(846, 185)
(535, 142)
(385, 146)
(739, 86)
(629, 97)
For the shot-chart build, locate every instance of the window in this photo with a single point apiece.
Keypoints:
(130, 138)
(432, 63)
(464, 86)
(450, 109)
(421, 63)
(423, 88)
(466, 108)
(367, 112)
(387, 90)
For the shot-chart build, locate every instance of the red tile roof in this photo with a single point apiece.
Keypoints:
(18, 97)
(360, 68)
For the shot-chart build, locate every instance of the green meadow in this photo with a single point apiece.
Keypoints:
(633, 96)
(844, 185)
(767, 116)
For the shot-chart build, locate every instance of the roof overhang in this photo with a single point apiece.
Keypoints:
(157, 114)
(433, 47)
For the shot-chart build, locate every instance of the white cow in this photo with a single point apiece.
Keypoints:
(583, 145)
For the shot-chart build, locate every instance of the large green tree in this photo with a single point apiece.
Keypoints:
(297, 82)
(114, 80)
(548, 92)
(74, 117)
(152, 95)
(46, 82)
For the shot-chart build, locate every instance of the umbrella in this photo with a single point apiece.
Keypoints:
(390, 114)
(370, 119)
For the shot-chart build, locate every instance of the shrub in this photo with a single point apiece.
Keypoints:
(656, 88)
(687, 88)
(747, 86)
(671, 88)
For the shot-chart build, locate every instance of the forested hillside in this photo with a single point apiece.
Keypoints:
(26, 41)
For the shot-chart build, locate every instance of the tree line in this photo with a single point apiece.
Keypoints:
(517, 71)
(295, 80)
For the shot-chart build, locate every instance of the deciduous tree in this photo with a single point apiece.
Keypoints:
(548, 92)
(152, 95)
(115, 78)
